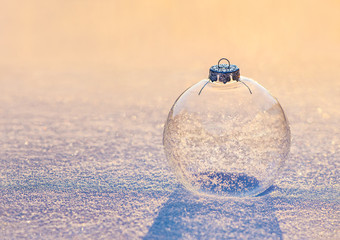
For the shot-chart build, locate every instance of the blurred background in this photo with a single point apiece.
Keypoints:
(284, 38)
(285, 45)
(288, 46)
(85, 88)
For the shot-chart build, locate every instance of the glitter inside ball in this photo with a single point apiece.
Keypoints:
(226, 141)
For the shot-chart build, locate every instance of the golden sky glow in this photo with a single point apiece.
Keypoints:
(110, 34)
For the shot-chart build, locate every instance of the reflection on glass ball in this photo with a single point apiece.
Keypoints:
(226, 141)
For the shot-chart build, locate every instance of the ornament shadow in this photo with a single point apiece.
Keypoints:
(188, 216)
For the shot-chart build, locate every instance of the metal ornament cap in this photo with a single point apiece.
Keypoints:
(224, 72)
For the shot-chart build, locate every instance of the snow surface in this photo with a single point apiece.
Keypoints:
(84, 160)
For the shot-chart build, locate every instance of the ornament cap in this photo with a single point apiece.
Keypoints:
(224, 72)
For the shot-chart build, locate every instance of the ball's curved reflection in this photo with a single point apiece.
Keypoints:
(226, 141)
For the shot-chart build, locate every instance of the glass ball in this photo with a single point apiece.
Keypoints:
(226, 141)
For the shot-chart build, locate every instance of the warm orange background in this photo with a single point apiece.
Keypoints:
(109, 34)
(291, 47)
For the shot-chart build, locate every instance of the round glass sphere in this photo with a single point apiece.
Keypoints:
(226, 141)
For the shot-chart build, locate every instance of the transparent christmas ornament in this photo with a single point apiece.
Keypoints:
(226, 135)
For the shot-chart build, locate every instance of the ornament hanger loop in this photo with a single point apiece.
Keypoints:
(218, 64)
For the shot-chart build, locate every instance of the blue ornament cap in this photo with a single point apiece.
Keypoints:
(224, 73)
